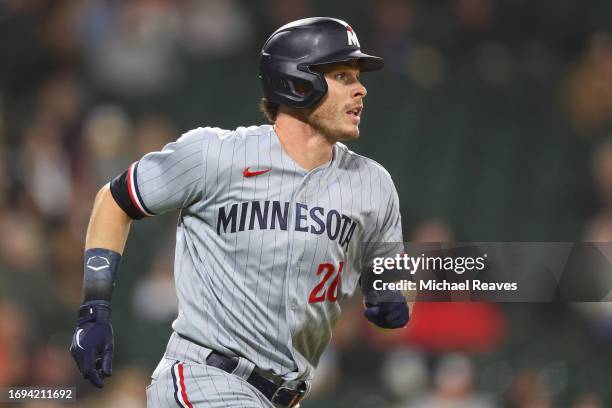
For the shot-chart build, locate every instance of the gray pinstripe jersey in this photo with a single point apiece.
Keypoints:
(266, 251)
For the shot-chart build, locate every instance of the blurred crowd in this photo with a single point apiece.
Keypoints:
(498, 111)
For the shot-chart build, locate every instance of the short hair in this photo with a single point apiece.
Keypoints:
(270, 109)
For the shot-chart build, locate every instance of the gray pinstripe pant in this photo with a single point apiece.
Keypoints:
(183, 379)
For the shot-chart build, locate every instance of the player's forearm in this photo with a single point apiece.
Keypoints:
(93, 343)
(109, 225)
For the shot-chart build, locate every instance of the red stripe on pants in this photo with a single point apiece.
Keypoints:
(182, 382)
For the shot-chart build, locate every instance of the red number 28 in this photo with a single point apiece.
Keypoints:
(320, 292)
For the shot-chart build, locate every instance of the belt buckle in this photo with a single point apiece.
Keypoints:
(287, 397)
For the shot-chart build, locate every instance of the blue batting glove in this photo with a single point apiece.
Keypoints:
(93, 344)
(387, 309)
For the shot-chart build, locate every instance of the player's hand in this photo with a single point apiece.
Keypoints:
(386, 309)
(92, 343)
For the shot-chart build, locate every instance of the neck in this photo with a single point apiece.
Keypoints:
(304, 144)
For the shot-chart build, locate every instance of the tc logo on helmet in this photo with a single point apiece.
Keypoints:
(352, 37)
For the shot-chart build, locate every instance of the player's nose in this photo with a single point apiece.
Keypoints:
(359, 91)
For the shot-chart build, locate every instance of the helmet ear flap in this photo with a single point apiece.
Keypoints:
(279, 84)
(295, 87)
(318, 86)
(300, 88)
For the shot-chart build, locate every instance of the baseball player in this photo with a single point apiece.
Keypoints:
(270, 233)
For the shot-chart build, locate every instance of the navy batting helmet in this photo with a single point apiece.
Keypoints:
(288, 56)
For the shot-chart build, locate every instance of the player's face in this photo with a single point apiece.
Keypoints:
(338, 115)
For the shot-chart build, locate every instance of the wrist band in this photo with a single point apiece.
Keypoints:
(100, 270)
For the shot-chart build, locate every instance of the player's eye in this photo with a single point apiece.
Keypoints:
(340, 76)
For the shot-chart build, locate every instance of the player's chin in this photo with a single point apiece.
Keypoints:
(348, 133)
(346, 130)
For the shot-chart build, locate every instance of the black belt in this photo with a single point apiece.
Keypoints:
(279, 395)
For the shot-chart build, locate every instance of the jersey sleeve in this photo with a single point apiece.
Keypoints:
(162, 181)
(385, 238)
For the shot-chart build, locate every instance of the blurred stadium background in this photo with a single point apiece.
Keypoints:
(492, 116)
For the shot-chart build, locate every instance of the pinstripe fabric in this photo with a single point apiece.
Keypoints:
(205, 386)
(244, 269)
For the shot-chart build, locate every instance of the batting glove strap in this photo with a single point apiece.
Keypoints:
(95, 311)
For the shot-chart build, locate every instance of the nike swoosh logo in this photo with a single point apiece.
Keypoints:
(247, 173)
(78, 340)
